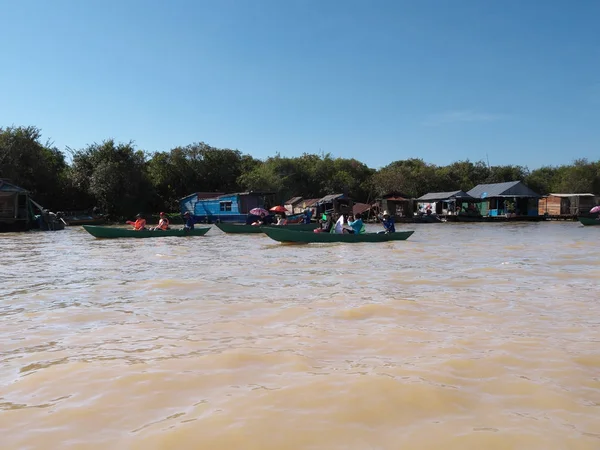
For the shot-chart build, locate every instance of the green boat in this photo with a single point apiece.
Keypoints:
(238, 228)
(304, 237)
(587, 220)
(115, 232)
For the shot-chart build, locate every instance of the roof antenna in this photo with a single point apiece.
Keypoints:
(488, 160)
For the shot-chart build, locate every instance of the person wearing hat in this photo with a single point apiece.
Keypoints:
(163, 223)
(388, 223)
(189, 221)
(139, 224)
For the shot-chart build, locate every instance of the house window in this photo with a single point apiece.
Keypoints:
(225, 206)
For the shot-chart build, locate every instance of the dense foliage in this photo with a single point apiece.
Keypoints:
(122, 180)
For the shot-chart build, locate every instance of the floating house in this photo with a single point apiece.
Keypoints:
(213, 207)
(15, 210)
(446, 203)
(396, 204)
(510, 199)
(566, 204)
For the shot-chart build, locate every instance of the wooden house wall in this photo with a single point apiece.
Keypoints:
(550, 205)
(573, 205)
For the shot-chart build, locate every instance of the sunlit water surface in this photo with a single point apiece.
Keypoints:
(466, 336)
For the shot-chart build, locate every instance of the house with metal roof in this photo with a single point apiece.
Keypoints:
(15, 211)
(446, 202)
(396, 204)
(225, 207)
(509, 199)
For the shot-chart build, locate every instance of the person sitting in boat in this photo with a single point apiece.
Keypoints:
(188, 221)
(388, 223)
(139, 224)
(264, 220)
(282, 219)
(357, 225)
(163, 223)
(326, 224)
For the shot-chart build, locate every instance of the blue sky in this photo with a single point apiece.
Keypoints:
(442, 80)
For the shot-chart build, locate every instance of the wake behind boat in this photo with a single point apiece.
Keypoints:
(304, 237)
(116, 232)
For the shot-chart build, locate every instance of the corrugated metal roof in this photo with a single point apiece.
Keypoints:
(293, 201)
(329, 198)
(437, 196)
(359, 208)
(309, 202)
(508, 189)
(5, 186)
(221, 194)
(395, 199)
(572, 195)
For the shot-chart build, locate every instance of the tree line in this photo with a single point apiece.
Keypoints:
(122, 180)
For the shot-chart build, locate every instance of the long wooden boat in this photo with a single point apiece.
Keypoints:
(235, 228)
(116, 232)
(587, 220)
(305, 237)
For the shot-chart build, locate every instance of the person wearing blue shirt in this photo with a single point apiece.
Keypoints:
(189, 221)
(388, 223)
(358, 227)
(307, 215)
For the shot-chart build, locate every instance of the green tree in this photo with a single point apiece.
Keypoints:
(114, 175)
(27, 162)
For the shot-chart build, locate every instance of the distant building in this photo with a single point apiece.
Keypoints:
(510, 199)
(396, 204)
(293, 205)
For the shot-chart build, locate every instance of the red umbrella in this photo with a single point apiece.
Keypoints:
(278, 209)
(595, 209)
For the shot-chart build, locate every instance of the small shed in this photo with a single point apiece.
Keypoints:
(396, 204)
(446, 202)
(15, 212)
(293, 205)
(512, 198)
(566, 204)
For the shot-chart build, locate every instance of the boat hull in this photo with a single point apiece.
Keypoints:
(246, 229)
(305, 237)
(115, 232)
(589, 220)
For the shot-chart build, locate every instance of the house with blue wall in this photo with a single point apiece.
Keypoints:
(510, 199)
(218, 207)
